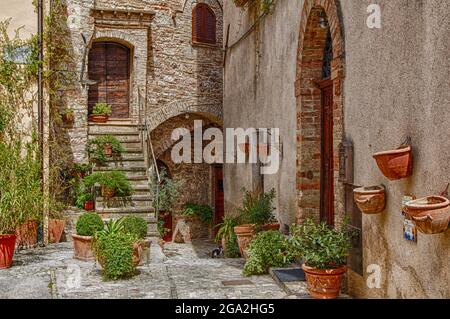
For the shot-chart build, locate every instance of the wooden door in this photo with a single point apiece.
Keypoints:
(218, 196)
(327, 172)
(109, 66)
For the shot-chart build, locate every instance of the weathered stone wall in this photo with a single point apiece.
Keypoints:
(395, 84)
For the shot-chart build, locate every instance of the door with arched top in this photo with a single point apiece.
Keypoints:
(109, 67)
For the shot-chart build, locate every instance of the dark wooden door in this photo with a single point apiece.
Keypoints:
(327, 172)
(109, 66)
(218, 196)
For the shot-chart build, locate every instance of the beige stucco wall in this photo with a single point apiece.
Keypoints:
(23, 15)
(396, 84)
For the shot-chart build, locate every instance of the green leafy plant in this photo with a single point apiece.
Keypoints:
(113, 179)
(114, 250)
(165, 192)
(101, 109)
(3, 119)
(257, 208)
(226, 228)
(323, 247)
(231, 249)
(204, 212)
(83, 198)
(162, 231)
(95, 148)
(88, 224)
(135, 225)
(269, 249)
(82, 167)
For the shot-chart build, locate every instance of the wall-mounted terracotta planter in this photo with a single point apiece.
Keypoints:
(27, 234)
(82, 248)
(108, 192)
(55, 230)
(7, 245)
(370, 199)
(244, 235)
(395, 164)
(324, 283)
(99, 118)
(431, 214)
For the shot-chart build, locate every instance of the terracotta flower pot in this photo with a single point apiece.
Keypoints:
(395, 164)
(244, 235)
(55, 230)
(108, 192)
(107, 150)
(324, 283)
(89, 205)
(431, 214)
(27, 234)
(370, 199)
(82, 247)
(99, 118)
(7, 244)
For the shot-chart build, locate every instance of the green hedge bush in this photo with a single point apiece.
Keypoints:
(135, 225)
(88, 224)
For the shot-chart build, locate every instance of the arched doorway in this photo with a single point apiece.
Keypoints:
(319, 112)
(109, 66)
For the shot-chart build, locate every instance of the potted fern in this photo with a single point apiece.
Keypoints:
(100, 113)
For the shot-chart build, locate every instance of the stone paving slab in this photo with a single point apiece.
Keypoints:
(177, 271)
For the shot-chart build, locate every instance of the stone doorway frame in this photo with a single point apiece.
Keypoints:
(308, 97)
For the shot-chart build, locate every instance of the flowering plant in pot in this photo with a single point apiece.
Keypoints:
(102, 147)
(87, 225)
(325, 251)
(256, 214)
(100, 113)
(112, 183)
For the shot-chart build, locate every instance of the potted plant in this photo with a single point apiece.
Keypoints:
(325, 251)
(227, 237)
(87, 225)
(256, 214)
(21, 196)
(85, 201)
(68, 116)
(113, 183)
(100, 113)
(80, 170)
(115, 251)
(431, 214)
(102, 147)
(370, 199)
(137, 226)
(55, 227)
(396, 164)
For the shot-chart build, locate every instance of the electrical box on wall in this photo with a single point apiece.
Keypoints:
(346, 162)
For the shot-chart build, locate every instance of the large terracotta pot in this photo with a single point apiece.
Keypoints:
(55, 230)
(431, 214)
(324, 283)
(395, 164)
(99, 118)
(108, 192)
(82, 247)
(370, 199)
(244, 235)
(27, 234)
(107, 150)
(7, 244)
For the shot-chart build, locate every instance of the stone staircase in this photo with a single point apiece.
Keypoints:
(132, 164)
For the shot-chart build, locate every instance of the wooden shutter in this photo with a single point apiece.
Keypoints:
(109, 65)
(203, 24)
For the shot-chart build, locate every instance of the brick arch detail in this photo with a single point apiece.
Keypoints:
(308, 96)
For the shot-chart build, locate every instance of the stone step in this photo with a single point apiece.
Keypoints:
(138, 181)
(130, 172)
(127, 156)
(133, 201)
(113, 126)
(124, 164)
(121, 136)
(106, 211)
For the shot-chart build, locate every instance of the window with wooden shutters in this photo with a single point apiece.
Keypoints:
(203, 24)
(109, 66)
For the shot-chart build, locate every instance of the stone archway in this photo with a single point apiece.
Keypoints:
(319, 21)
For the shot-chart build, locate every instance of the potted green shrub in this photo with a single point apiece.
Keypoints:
(87, 225)
(100, 113)
(102, 147)
(113, 183)
(68, 116)
(115, 250)
(227, 237)
(269, 249)
(325, 251)
(137, 226)
(256, 214)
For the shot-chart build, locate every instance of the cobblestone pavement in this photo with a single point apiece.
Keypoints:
(181, 271)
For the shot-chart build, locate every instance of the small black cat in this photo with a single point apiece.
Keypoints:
(217, 253)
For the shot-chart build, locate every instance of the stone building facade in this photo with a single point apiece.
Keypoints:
(386, 84)
(171, 78)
